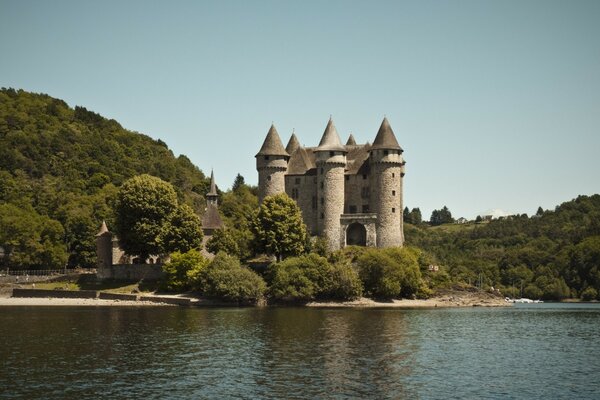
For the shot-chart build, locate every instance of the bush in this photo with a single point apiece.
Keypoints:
(589, 294)
(183, 269)
(311, 277)
(225, 279)
(390, 273)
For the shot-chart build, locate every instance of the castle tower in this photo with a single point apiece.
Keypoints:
(293, 144)
(330, 158)
(387, 170)
(104, 245)
(271, 163)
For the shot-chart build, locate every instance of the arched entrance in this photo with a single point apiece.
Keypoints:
(356, 235)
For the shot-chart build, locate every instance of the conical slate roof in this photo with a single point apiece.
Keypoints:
(351, 141)
(272, 145)
(213, 186)
(330, 140)
(385, 138)
(103, 229)
(211, 218)
(292, 145)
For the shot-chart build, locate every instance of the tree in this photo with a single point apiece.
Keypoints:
(415, 216)
(182, 232)
(439, 217)
(238, 183)
(223, 241)
(406, 215)
(278, 227)
(183, 269)
(144, 206)
(540, 211)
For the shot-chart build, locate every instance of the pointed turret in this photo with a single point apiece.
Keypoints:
(330, 140)
(293, 144)
(213, 186)
(103, 229)
(272, 145)
(385, 138)
(351, 141)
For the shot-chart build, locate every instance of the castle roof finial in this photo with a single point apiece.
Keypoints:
(272, 145)
(330, 140)
(385, 138)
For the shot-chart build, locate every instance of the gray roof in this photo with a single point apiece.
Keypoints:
(351, 141)
(211, 218)
(272, 145)
(385, 138)
(301, 161)
(103, 229)
(330, 140)
(293, 144)
(213, 186)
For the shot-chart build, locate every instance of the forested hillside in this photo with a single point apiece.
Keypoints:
(553, 255)
(59, 171)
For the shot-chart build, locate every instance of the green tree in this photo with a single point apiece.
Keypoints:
(439, 217)
(222, 241)
(182, 231)
(278, 227)
(144, 205)
(238, 183)
(540, 211)
(415, 216)
(406, 215)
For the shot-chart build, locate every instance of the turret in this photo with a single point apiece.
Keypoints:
(212, 195)
(387, 170)
(104, 257)
(211, 219)
(271, 163)
(293, 144)
(330, 158)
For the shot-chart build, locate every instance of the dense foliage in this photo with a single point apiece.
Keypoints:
(278, 227)
(552, 255)
(65, 165)
(226, 279)
(183, 269)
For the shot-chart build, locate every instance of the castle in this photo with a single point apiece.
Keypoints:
(348, 194)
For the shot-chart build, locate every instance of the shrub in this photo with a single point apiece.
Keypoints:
(312, 277)
(183, 269)
(589, 294)
(225, 279)
(390, 273)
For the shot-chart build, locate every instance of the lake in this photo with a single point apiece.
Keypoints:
(540, 351)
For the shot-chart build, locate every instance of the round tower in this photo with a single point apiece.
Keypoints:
(271, 164)
(387, 171)
(330, 158)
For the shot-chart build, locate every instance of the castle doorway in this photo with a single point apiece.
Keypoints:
(356, 235)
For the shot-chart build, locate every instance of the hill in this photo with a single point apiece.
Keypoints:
(59, 170)
(551, 256)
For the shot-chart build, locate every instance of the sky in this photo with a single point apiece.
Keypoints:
(495, 103)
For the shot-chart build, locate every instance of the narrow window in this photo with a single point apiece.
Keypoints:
(393, 192)
(347, 177)
(393, 175)
(393, 210)
(331, 154)
(385, 152)
(269, 177)
(364, 176)
(322, 185)
(321, 171)
(322, 200)
(365, 208)
(352, 209)
(266, 157)
(297, 181)
(322, 215)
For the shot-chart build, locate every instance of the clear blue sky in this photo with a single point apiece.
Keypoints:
(496, 103)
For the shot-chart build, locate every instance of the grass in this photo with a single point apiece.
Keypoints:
(84, 283)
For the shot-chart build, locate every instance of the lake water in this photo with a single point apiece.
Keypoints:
(543, 351)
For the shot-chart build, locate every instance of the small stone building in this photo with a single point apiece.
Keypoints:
(349, 194)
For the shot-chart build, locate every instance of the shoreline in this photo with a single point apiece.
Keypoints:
(60, 302)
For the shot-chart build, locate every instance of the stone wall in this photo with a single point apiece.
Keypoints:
(330, 181)
(387, 197)
(306, 188)
(271, 176)
(131, 272)
(65, 294)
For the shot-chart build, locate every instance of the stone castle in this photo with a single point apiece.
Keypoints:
(349, 194)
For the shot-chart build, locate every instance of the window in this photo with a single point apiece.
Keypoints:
(385, 152)
(322, 185)
(364, 176)
(347, 177)
(352, 209)
(322, 215)
(266, 157)
(393, 210)
(364, 192)
(365, 208)
(295, 193)
(393, 175)
(322, 200)
(393, 192)
(321, 171)
(297, 180)
(331, 154)
(269, 177)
